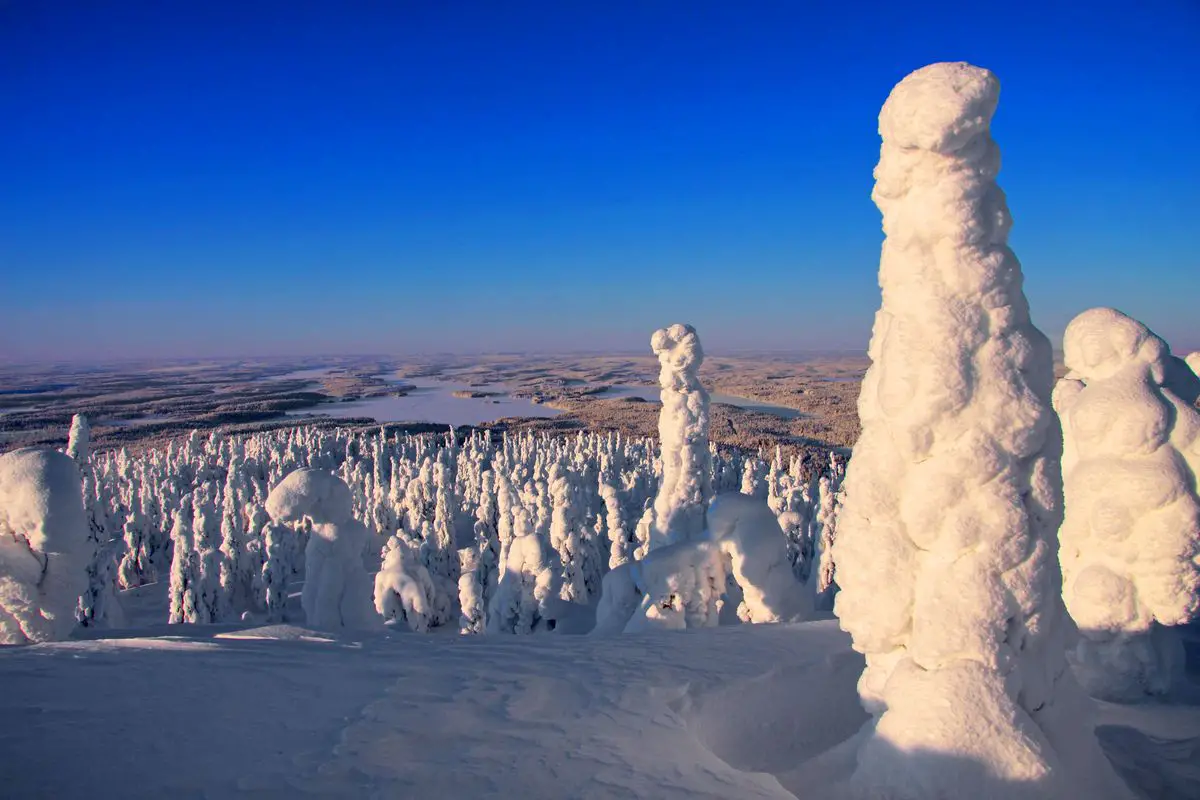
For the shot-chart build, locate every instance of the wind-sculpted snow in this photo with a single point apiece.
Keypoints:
(946, 542)
(44, 546)
(686, 485)
(1131, 536)
(336, 593)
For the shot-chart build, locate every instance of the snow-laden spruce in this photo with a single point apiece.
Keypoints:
(946, 545)
(686, 486)
(1131, 535)
(44, 545)
(336, 586)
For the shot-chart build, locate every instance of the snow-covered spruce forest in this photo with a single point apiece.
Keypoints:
(999, 546)
(470, 534)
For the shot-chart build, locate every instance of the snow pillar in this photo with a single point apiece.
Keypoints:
(44, 546)
(686, 486)
(946, 548)
(1131, 536)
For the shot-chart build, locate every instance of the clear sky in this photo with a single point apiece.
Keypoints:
(251, 178)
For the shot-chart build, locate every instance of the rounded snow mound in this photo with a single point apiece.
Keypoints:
(1101, 341)
(312, 493)
(940, 107)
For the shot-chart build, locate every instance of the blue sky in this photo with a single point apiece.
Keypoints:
(229, 178)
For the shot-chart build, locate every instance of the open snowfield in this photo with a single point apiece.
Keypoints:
(222, 711)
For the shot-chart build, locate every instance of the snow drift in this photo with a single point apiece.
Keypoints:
(44, 545)
(1131, 536)
(946, 547)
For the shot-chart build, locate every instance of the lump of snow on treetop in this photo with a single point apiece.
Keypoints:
(44, 546)
(337, 589)
(312, 493)
(686, 486)
(1131, 537)
(946, 545)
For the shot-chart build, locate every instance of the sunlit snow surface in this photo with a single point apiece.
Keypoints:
(282, 711)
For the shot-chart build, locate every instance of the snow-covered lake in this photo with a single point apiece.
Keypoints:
(651, 394)
(434, 401)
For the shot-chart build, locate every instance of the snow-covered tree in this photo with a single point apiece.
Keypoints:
(404, 589)
(750, 538)
(44, 545)
(79, 440)
(946, 545)
(276, 573)
(527, 583)
(686, 484)
(1131, 535)
(337, 590)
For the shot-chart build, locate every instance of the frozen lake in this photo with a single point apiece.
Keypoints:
(651, 394)
(433, 401)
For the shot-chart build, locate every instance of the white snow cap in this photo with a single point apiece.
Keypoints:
(44, 547)
(312, 493)
(686, 486)
(946, 545)
(1193, 361)
(940, 108)
(1131, 537)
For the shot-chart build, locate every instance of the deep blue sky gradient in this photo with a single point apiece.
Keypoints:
(253, 178)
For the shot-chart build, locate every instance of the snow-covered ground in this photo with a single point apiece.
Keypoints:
(221, 711)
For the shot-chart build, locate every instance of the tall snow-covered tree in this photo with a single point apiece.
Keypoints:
(954, 493)
(44, 545)
(1131, 534)
(686, 486)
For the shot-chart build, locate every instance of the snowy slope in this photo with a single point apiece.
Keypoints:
(218, 711)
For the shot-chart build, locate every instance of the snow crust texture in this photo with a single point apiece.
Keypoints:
(1131, 536)
(44, 545)
(686, 486)
(945, 553)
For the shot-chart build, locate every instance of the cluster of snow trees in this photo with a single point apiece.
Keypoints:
(955, 495)
(512, 535)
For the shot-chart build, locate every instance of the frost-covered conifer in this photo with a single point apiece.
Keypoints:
(1131, 535)
(276, 570)
(527, 583)
(79, 440)
(337, 591)
(686, 486)
(185, 589)
(946, 546)
(404, 589)
(44, 545)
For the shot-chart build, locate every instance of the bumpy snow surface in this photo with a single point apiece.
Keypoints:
(945, 551)
(44, 546)
(1131, 537)
(751, 711)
